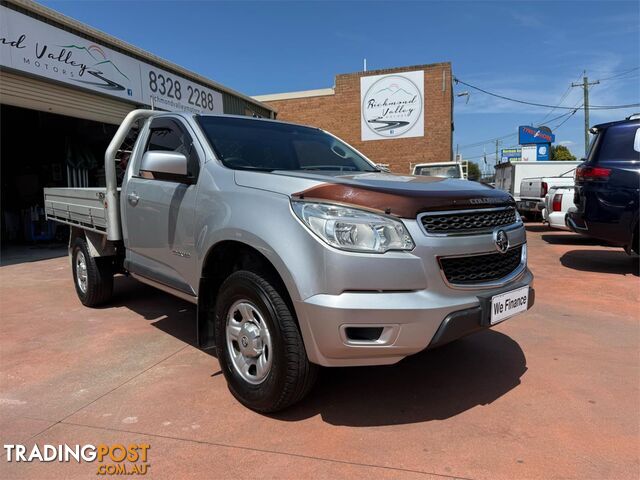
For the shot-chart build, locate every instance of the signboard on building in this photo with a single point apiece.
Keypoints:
(392, 106)
(40, 49)
(509, 154)
(531, 135)
(529, 153)
(167, 91)
(542, 152)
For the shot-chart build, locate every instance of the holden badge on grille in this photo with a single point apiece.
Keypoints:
(501, 240)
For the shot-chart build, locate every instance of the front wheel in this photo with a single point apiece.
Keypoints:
(262, 353)
(92, 277)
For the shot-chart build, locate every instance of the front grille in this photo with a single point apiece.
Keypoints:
(480, 268)
(468, 221)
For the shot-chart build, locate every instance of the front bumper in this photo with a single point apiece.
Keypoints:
(408, 322)
(465, 322)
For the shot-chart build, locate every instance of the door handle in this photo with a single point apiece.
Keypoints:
(133, 198)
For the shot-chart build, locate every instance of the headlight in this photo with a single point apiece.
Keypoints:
(351, 229)
(518, 216)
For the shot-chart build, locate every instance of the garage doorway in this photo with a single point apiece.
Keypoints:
(38, 150)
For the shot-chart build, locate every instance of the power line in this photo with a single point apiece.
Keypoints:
(593, 107)
(564, 96)
(622, 79)
(600, 70)
(492, 140)
(565, 120)
(540, 123)
(568, 115)
(484, 142)
(574, 109)
(620, 74)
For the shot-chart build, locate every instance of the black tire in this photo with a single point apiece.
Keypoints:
(99, 275)
(291, 375)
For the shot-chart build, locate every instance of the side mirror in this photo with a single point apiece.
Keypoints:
(164, 164)
(384, 167)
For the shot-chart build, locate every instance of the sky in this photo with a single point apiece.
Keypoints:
(527, 50)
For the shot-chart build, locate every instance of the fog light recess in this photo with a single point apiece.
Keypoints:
(363, 334)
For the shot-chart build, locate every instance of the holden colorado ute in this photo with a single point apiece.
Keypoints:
(297, 250)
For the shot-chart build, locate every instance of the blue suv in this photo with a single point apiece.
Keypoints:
(608, 186)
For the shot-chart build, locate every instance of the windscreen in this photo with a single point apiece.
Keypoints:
(440, 171)
(248, 144)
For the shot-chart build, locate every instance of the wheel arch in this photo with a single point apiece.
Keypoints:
(221, 260)
(98, 244)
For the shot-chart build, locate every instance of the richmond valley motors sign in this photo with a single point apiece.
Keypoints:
(392, 106)
(35, 47)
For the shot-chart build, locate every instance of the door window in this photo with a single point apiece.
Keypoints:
(167, 135)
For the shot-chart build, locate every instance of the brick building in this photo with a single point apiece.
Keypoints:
(343, 108)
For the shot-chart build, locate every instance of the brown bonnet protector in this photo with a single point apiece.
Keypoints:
(406, 203)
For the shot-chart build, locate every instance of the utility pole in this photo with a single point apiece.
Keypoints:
(484, 156)
(497, 151)
(585, 87)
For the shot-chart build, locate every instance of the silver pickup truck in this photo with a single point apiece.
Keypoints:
(297, 250)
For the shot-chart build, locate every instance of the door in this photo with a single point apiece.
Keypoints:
(160, 212)
(27, 92)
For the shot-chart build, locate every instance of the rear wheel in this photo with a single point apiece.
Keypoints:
(262, 354)
(92, 276)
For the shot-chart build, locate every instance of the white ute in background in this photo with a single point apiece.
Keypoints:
(510, 177)
(533, 191)
(556, 204)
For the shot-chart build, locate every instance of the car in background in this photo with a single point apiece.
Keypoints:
(509, 175)
(440, 169)
(608, 186)
(556, 204)
(534, 190)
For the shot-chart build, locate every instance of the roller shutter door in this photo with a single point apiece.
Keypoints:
(27, 92)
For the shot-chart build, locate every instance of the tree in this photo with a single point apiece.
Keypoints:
(560, 152)
(473, 171)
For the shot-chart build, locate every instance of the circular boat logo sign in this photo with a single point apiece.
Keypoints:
(392, 105)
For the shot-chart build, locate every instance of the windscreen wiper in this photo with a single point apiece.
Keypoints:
(256, 169)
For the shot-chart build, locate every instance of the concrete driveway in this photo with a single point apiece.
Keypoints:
(552, 393)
